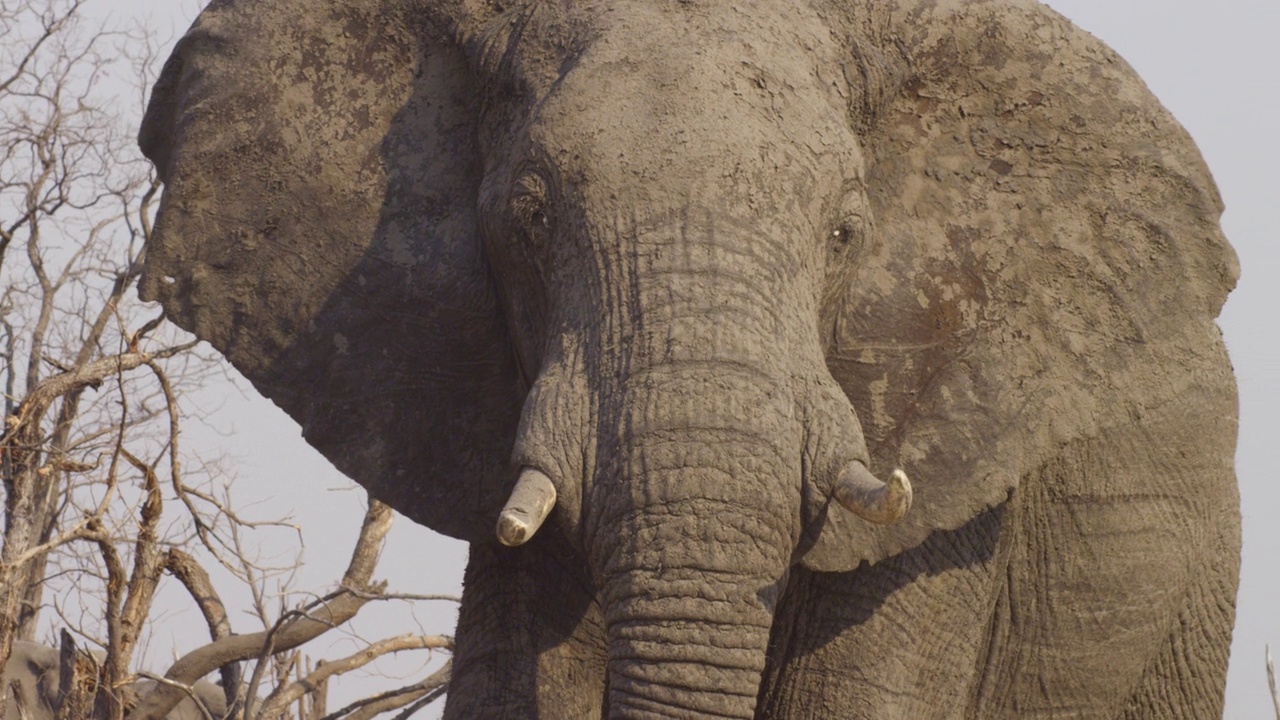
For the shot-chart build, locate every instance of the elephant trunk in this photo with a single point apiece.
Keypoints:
(696, 518)
(705, 414)
(677, 650)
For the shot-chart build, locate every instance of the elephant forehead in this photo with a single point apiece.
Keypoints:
(681, 97)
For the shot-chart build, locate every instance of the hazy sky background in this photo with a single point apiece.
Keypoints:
(1214, 64)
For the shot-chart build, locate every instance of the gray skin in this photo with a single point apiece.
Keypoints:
(34, 668)
(661, 252)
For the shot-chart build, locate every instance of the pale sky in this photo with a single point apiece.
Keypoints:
(1213, 64)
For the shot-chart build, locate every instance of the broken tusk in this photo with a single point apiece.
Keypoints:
(529, 505)
(869, 498)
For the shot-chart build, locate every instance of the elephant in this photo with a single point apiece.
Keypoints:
(817, 359)
(34, 669)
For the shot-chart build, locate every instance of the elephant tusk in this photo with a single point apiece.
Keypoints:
(529, 505)
(870, 499)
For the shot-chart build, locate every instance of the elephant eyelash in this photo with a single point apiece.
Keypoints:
(529, 202)
(531, 212)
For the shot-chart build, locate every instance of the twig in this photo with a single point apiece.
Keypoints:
(180, 687)
(86, 529)
(1271, 681)
(405, 596)
(19, 700)
(434, 685)
(87, 375)
(426, 700)
(276, 703)
(136, 336)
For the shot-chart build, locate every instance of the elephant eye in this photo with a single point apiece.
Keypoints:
(529, 203)
(846, 238)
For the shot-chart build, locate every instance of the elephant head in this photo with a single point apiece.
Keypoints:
(31, 680)
(680, 275)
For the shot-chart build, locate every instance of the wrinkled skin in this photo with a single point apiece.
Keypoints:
(691, 260)
(34, 669)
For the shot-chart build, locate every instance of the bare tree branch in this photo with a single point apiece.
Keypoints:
(186, 690)
(406, 596)
(50, 29)
(196, 581)
(90, 522)
(1271, 682)
(428, 689)
(71, 180)
(77, 680)
(125, 621)
(293, 630)
(87, 375)
(430, 697)
(276, 703)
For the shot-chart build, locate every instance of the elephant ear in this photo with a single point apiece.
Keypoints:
(1046, 264)
(318, 228)
(33, 668)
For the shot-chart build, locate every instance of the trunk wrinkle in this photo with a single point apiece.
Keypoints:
(626, 706)
(631, 662)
